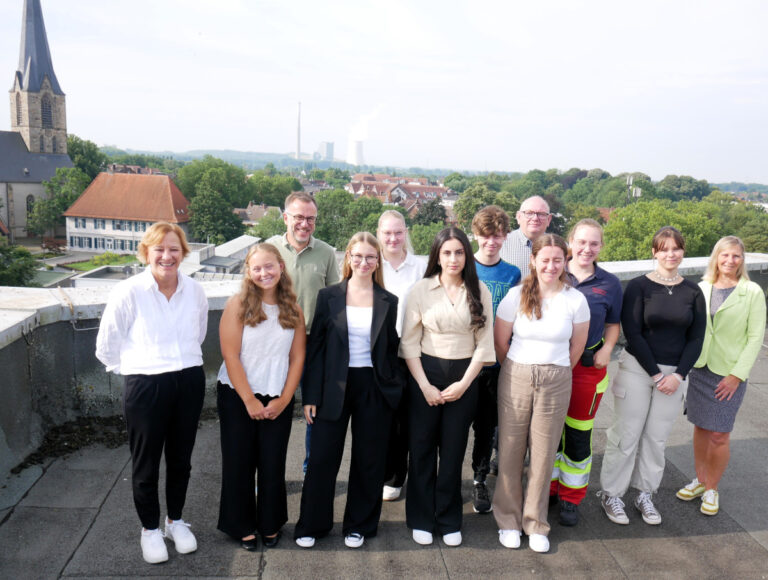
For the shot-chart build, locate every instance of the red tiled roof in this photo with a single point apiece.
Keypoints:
(132, 197)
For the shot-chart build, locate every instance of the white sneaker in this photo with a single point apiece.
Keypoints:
(538, 543)
(391, 493)
(510, 538)
(452, 539)
(354, 540)
(153, 546)
(182, 537)
(422, 537)
(305, 542)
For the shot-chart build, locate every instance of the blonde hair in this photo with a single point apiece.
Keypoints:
(365, 238)
(155, 235)
(394, 214)
(251, 295)
(713, 270)
(585, 223)
(530, 294)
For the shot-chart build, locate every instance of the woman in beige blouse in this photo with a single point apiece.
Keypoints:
(447, 339)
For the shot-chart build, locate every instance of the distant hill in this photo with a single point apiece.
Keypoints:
(738, 187)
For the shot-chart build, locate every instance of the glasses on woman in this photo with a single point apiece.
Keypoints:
(357, 258)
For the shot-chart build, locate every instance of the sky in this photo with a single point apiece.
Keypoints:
(662, 87)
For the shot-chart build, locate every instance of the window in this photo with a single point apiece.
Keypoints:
(42, 144)
(53, 144)
(71, 241)
(30, 203)
(89, 242)
(46, 109)
(18, 109)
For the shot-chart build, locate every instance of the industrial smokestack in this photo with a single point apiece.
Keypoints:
(298, 135)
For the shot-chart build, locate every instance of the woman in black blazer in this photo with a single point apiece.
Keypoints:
(352, 371)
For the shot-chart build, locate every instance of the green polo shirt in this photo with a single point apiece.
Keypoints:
(311, 269)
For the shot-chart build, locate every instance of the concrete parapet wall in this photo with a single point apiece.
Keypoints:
(48, 371)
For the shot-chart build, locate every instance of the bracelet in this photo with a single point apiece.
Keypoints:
(657, 381)
(679, 376)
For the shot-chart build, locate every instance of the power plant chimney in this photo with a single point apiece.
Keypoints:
(298, 135)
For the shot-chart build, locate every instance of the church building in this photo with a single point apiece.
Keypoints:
(36, 145)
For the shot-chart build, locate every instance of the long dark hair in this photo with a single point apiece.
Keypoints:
(468, 274)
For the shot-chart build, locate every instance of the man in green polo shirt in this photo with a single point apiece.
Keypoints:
(311, 263)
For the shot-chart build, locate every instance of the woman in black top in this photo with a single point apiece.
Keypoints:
(664, 319)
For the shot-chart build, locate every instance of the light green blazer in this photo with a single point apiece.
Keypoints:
(735, 335)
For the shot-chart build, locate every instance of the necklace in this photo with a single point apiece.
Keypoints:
(663, 279)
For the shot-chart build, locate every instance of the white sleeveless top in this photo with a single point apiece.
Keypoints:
(264, 354)
(359, 320)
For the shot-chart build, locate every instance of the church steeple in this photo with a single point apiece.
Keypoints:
(38, 106)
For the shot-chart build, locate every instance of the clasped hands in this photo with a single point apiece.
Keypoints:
(435, 396)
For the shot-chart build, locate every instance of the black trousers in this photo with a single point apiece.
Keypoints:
(486, 420)
(397, 449)
(249, 447)
(162, 411)
(433, 502)
(371, 419)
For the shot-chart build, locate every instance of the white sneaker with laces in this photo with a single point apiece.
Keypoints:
(452, 539)
(182, 536)
(391, 493)
(644, 505)
(710, 502)
(305, 541)
(153, 546)
(354, 540)
(510, 538)
(538, 543)
(422, 537)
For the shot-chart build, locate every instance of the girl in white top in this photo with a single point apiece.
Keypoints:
(401, 270)
(151, 332)
(550, 322)
(263, 341)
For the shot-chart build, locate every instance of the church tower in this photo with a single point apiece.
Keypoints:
(38, 105)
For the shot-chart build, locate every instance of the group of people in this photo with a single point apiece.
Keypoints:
(512, 340)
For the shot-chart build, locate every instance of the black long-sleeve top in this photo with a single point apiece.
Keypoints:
(664, 328)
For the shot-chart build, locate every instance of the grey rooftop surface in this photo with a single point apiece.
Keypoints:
(73, 517)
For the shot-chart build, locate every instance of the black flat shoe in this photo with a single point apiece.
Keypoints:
(271, 542)
(251, 545)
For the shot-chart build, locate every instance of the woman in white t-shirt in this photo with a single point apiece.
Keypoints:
(262, 341)
(550, 321)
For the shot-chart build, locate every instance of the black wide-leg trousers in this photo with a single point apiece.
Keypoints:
(161, 412)
(371, 419)
(248, 448)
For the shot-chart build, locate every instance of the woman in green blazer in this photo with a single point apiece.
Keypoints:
(734, 336)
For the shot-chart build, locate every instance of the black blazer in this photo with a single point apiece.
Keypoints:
(325, 374)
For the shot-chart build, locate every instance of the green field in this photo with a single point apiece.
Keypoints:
(89, 265)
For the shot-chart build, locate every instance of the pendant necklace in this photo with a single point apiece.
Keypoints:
(667, 280)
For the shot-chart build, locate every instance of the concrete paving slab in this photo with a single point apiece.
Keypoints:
(70, 488)
(17, 485)
(38, 542)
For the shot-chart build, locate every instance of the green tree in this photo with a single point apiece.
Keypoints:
(431, 212)
(230, 181)
(422, 237)
(754, 234)
(333, 206)
(271, 224)
(17, 266)
(474, 198)
(211, 217)
(86, 156)
(62, 190)
(272, 189)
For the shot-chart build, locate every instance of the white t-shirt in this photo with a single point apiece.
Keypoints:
(545, 340)
(400, 281)
(359, 320)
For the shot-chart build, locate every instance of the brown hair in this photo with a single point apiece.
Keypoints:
(251, 312)
(365, 238)
(660, 238)
(299, 196)
(489, 221)
(155, 235)
(713, 270)
(530, 295)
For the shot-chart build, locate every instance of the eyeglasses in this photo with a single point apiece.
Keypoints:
(310, 219)
(529, 215)
(357, 258)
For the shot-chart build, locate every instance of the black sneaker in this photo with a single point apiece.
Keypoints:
(481, 500)
(569, 513)
(493, 466)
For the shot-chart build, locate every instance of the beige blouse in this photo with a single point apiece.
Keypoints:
(435, 326)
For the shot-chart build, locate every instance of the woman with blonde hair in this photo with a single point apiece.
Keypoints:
(718, 381)
(351, 372)
(401, 270)
(262, 341)
(151, 332)
(664, 319)
(547, 322)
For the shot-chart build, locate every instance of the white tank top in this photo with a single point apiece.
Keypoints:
(264, 354)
